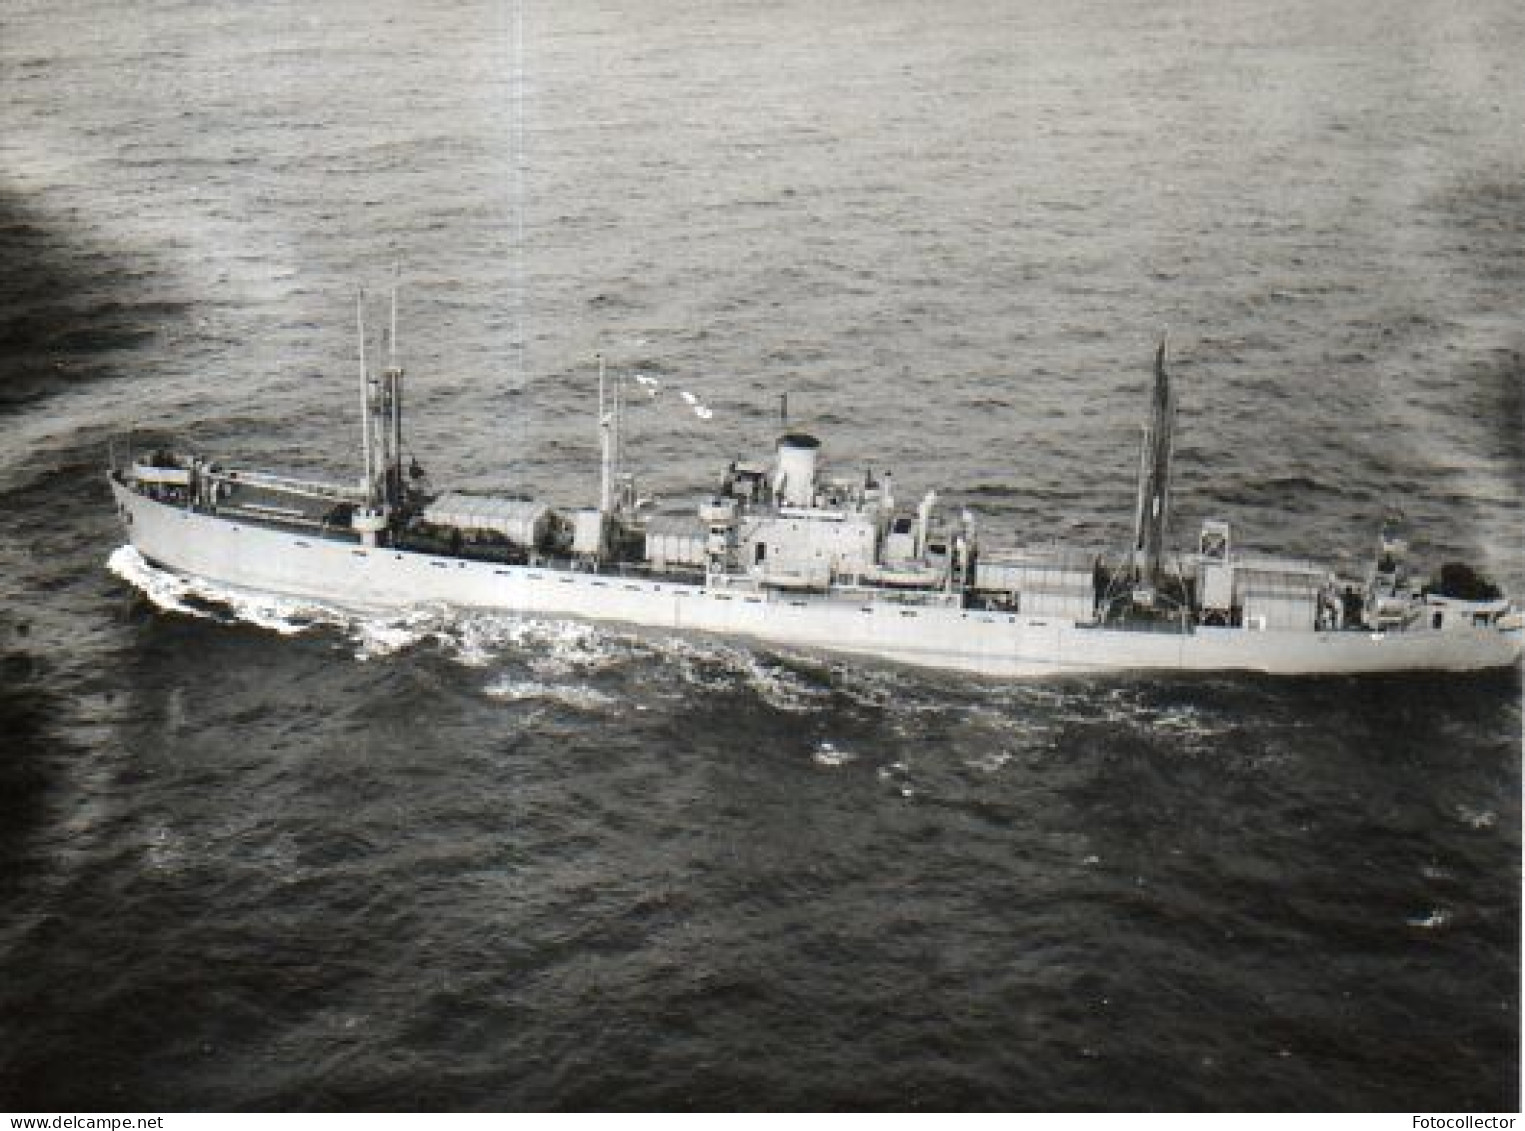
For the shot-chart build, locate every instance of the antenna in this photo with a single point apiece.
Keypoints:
(783, 410)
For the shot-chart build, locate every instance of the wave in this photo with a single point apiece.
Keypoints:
(556, 651)
(470, 638)
(190, 596)
(578, 697)
(829, 754)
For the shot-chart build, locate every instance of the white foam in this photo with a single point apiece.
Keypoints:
(473, 639)
(779, 687)
(478, 639)
(1190, 721)
(174, 593)
(989, 763)
(580, 697)
(1477, 818)
(376, 636)
(827, 754)
(1435, 919)
(897, 776)
(716, 666)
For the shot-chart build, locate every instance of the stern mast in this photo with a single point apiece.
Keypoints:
(1153, 510)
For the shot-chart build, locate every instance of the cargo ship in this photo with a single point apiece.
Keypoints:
(787, 552)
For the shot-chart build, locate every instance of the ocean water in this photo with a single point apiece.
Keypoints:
(259, 855)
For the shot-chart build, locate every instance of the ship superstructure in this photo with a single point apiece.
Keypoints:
(786, 551)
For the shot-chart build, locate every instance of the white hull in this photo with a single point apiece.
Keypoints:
(260, 558)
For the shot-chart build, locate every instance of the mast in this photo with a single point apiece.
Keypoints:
(618, 392)
(368, 482)
(606, 447)
(392, 395)
(1153, 509)
(392, 337)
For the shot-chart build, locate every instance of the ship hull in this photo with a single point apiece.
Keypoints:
(265, 559)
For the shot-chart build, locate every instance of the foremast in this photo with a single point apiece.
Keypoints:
(384, 481)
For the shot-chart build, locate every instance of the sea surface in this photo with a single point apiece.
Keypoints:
(257, 855)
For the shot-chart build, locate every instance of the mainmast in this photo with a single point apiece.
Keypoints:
(368, 480)
(384, 484)
(1154, 477)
